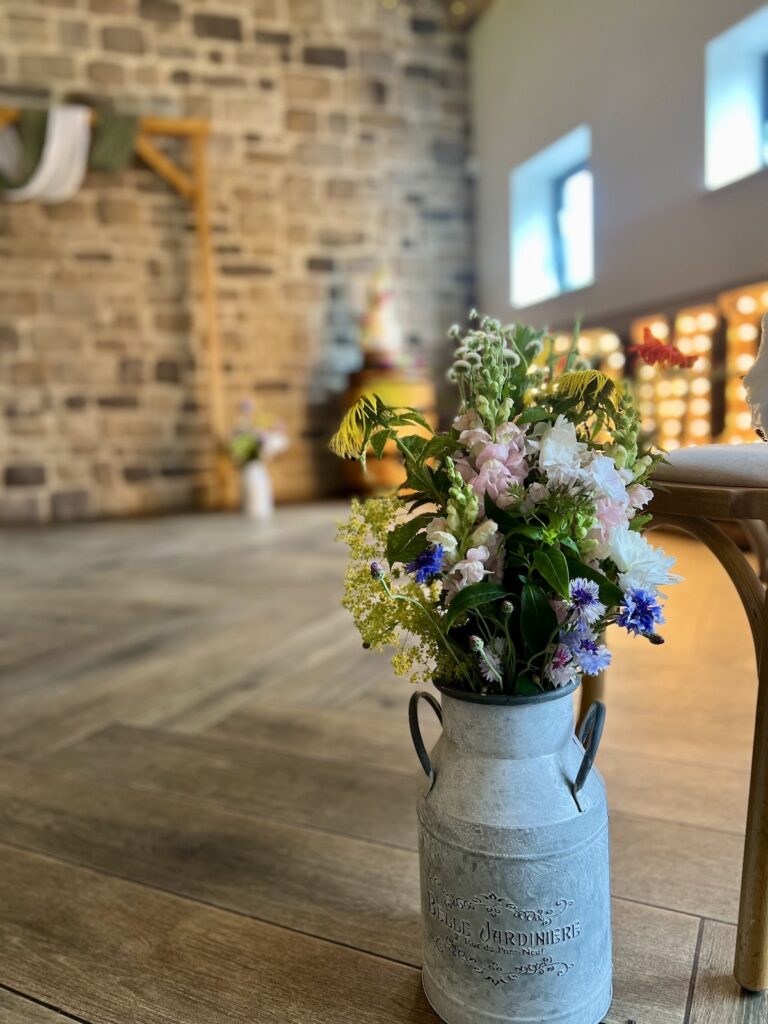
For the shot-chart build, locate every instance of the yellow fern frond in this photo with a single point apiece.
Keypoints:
(351, 439)
(588, 384)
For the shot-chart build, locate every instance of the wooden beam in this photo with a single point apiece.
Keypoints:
(163, 166)
(218, 419)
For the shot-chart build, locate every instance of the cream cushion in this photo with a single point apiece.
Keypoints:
(717, 465)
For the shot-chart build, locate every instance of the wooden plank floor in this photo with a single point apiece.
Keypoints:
(207, 787)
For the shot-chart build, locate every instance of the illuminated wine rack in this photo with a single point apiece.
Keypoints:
(694, 335)
(742, 310)
(599, 347)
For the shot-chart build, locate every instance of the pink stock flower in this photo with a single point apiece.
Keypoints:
(475, 439)
(639, 495)
(494, 480)
(611, 515)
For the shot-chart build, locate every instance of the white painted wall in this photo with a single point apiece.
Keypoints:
(634, 71)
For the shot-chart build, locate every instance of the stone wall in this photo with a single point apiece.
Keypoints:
(339, 135)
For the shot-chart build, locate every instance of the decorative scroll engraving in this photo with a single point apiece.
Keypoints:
(494, 904)
(495, 972)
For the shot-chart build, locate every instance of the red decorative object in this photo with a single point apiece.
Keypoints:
(655, 352)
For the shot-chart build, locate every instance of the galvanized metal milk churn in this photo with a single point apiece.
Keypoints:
(515, 887)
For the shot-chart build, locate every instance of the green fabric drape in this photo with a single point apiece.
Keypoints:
(112, 144)
(31, 129)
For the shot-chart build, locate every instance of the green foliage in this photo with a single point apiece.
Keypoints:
(538, 622)
(473, 597)
(552, 565)
(372, 422)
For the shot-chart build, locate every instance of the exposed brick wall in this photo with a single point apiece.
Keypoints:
(339, 135)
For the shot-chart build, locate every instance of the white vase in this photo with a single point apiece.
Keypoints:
(258, 501)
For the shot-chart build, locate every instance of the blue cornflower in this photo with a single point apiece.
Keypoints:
(641, 612)
(585, 600)
(428, 564)
(591, 657)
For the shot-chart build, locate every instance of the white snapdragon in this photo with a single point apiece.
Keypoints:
(471, 569)
(483, 533)
(438, 533)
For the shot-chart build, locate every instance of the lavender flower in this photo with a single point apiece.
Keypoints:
(376, 571)
(641, 612)
(428, 564)
(591, 657)
(585, 601)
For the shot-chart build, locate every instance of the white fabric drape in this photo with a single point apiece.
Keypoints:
(64, 159)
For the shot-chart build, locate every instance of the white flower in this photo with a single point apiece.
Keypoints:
(560, 453)
(535, 493)
(468, 421)
(472, 568)
(438, 533)
(561, 669)
(490, 665)
(639, 564)
(483, 533)
(607, 479)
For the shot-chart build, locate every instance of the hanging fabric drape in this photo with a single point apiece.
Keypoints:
(64, 158)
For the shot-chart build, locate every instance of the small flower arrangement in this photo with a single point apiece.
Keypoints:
(516, 539)
(254, 441)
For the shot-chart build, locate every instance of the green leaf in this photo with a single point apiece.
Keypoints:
(537, 619)
(378, 441)
(551, 563)
(534, 414)
(640, 521)
(405, 542)
(412, 446)
(610, 594)
(405, 417)
(531, 532)
(439, 446)
(525, 686)
(473, 597)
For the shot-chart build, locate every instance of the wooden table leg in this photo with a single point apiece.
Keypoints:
(751, 966)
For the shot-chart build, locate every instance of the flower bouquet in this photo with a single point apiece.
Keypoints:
(516, 538)
(251, 445)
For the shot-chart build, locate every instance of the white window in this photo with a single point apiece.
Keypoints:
(736, 125)
(552, 221)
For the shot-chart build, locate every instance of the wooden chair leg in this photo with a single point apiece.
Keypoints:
(592, 689)
(751, 966)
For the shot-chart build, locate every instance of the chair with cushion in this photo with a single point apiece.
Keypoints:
(698, 488)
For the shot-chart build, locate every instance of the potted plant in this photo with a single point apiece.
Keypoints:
(515, 541)
(251, 446)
